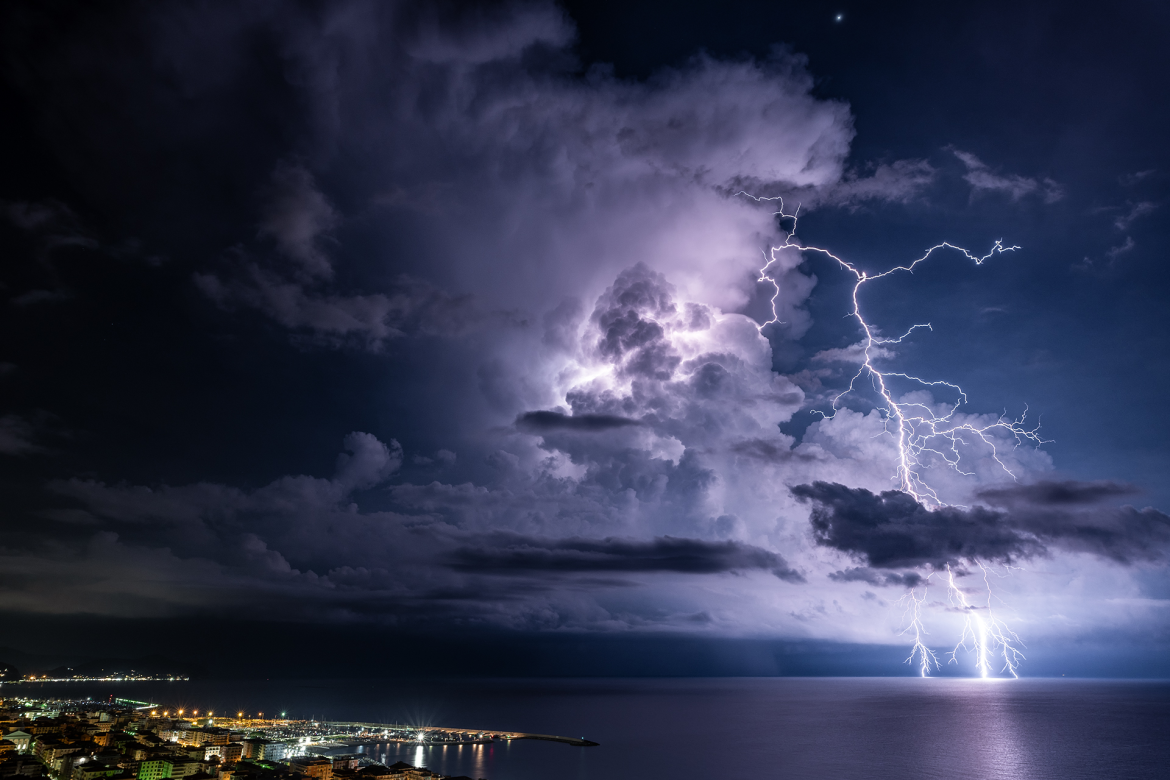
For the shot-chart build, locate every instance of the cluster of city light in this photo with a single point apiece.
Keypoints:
(131, 677)
(921, 434)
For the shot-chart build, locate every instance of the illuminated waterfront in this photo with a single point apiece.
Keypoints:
(845, 728)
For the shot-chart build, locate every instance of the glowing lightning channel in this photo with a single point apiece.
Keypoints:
(913, 603)
(921, 433)
(984, 635)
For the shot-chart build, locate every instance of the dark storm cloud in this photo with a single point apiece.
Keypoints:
(878, 578)
(297, 290)
(411, 307)
(512, 554)
(892, 530)
(769, 451)
(1067, 493)
(538, 422)
(301, 548)
(1070, 515)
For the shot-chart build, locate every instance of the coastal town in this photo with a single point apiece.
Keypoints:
(122, 739)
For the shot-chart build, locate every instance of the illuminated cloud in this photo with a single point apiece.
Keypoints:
(531, 285)
(510, 184)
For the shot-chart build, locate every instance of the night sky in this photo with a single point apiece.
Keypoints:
(436, 326)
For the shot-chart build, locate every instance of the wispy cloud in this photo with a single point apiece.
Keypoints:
(982, 179)
(1135, 211)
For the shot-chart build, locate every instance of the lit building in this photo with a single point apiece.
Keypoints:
(205, 736)
(313, 766)
(185, 767)
(94, 770)
(20, 739)
(155, 769)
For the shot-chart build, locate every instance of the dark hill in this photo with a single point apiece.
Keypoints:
(151, 665)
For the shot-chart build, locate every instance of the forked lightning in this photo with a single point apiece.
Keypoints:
(923, 434)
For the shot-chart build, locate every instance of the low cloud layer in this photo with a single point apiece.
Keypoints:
(540, 422)
(891, 530)
(520, 555)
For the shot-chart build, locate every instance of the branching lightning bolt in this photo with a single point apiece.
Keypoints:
(920, 434)
(913, 603)
(984, 633)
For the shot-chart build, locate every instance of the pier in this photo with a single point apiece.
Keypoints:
(494, 734)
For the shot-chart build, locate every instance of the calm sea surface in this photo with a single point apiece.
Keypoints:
(733, 728)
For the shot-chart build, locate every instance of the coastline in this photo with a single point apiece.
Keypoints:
(494, 734)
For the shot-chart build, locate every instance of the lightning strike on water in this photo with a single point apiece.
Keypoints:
(921, 433)
(913, 603)
(984, 633)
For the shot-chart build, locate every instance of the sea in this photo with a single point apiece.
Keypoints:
(727, 728)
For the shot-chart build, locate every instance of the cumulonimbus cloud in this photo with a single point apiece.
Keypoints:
(487, 163)
(565, 251)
